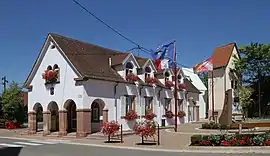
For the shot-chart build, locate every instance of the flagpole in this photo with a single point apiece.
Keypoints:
(175, 87)
(213, 96)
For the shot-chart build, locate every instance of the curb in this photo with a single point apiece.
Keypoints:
(243, 150)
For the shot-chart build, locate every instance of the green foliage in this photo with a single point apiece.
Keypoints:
(245, 98)
(254, 62)
(12, 103)
(204, 77)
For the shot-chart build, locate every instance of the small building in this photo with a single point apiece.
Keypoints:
(224, 76)
(75, 86)
(200, 95)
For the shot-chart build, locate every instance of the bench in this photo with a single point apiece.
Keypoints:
(238, 117)
(250, 126)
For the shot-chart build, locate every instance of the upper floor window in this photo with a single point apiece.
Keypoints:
(179, 77)
(129, 68)
(147, 72)
(148, 105)
(167, 75)
(130, 103)
(167, 106)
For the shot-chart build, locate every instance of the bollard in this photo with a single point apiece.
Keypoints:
(142, 140)
(158, 135)
(121, 133)
(240, 129)
(109, 138)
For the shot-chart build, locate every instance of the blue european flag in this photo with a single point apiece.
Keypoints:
(164, 52)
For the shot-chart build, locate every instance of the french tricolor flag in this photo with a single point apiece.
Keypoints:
(163, 56)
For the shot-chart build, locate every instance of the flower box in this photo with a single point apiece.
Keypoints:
(181, 114)
(131, 115)
(169, 114)
(50, 76)
(151, 80)
(169, 84)
(150, 116)
(146, 128)
(132, 78)
(182, 86)
(110, 128)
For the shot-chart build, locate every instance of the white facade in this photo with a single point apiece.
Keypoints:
(109, 94)
(199, 98)
(224, 79)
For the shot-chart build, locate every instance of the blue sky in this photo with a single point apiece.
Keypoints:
(197, 26)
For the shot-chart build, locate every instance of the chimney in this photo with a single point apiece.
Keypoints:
(110, 61)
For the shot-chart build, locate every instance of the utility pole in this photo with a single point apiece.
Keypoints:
(4, 82)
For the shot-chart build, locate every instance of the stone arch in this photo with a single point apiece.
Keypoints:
(38, 109)
(70, 106)
(97, 107)
(54, 116)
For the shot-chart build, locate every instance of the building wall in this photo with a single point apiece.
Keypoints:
(222, 82)
(63, 91)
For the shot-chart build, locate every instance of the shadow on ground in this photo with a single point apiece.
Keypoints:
(10, 151)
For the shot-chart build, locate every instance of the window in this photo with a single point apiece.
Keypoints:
(179, 78)
(167, 105)
(232, 84)
(180, 105)
(130, 105)
(235, 85)
(49, 68)
(148, 104)
(95, 112)
(167, 75)
(147, 72)
(129, 68)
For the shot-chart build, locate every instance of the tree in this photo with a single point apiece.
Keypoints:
(12, 103)
(254, 67)
(244, 98)
(204, 77)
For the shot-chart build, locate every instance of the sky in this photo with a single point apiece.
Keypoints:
(197, 26)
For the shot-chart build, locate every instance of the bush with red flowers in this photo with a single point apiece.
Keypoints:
(50, 76)
(131, 115)
(181, 114)
(132, 78)
(231, 140)
(169, 84)
(169, 114)
(12, 125)
(147, 128)
(110, 128)
(151, 80)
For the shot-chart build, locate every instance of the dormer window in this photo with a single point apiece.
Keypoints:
(129, 68)
(179, 77)
(147, 72)
(167, 75)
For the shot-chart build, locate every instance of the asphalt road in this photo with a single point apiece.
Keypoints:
(12, 147)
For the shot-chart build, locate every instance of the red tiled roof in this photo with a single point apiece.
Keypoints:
(221, 55)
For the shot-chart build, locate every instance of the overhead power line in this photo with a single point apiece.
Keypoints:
(117, 32)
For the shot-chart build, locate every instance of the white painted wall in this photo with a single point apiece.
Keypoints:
(65, 90)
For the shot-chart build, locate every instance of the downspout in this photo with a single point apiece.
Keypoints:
(159, 103)
(115, 101)
(140, 103)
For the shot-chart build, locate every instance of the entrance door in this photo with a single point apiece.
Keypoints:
(95, 117)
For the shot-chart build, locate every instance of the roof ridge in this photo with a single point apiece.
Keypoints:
(226, 45)
(84, 42)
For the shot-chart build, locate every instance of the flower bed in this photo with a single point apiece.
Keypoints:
(231, 140)
(181, 114)
(131, 115)
(146, 128)
(213, 125)
(110, 128)
(12, 125)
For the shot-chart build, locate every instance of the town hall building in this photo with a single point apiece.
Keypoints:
(76, 86)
